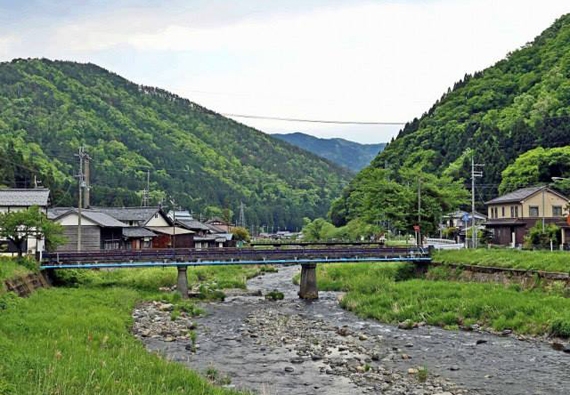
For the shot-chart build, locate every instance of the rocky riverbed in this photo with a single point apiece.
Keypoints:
(300, 347)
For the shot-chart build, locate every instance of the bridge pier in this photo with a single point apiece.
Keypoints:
(182, 283)
(308, 289)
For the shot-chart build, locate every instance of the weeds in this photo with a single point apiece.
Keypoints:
(373, 292)
(422, 374)
(274, 295)
(552, 261)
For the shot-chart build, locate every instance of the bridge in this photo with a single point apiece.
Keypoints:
(308, 256)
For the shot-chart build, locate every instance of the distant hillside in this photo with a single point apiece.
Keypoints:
(351, 155)
(201, 159)
(494, 116)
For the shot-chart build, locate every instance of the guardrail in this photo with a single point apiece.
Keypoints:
(229, 254)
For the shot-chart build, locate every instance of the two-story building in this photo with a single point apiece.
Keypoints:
(511, 216)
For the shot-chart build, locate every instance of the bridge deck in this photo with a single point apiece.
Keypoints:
(228, 256)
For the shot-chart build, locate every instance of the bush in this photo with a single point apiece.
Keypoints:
(560, 327)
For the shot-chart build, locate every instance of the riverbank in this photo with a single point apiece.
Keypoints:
(77, 340)
(393, 295)
(549, 261)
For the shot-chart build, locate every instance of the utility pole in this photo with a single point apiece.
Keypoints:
(146, 192)
(419, 212)
(87, 173)
(474, 173)
(81, 184)
(241, 221)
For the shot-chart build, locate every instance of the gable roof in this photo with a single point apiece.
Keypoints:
(523, 194)
(20, 197)
(101, 219)
(193, 224)
(126, 214)
(136, 232)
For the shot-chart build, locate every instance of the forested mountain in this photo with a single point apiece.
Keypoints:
(353, 156)
(48, 109)
(495, 115)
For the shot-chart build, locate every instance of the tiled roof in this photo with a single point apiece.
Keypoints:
(516, 196)
(102, 219)
(24, 197)
(55, 212)
(215, 229)
(193, 224)
(139, 214)
(134, 232)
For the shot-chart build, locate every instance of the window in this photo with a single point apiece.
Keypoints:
(533, 211)
(516, 211)
(503, 212)
(557, 211)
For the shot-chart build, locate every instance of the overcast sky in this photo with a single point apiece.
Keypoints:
(366, 61)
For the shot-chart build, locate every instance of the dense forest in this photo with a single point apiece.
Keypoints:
(205, 162)
(348, 154)
(495, 115)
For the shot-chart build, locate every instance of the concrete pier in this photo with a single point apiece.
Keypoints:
(309, 288)
(182, 283)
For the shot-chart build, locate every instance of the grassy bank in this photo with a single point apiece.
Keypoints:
(76, 340)
(389, 294)
(10, 268)
(555, 261)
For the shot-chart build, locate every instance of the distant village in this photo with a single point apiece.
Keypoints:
(120, 228)
(507, 222)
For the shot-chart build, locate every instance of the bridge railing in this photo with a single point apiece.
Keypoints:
(229, 254)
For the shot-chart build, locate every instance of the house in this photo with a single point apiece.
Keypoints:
(17, 199)
(155, 220)
(99, 231)
(456, 224)
(205, 235)
(511, 216)
(219, 224)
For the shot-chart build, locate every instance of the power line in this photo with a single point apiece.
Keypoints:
(313, 120)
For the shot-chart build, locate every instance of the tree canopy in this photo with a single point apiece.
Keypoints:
(18, 226)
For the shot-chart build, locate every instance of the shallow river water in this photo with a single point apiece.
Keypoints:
(315, 347)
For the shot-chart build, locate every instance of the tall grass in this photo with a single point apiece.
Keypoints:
(373, 291)
(552, 261)
(150, 279)
(10, 268)
(77, 341)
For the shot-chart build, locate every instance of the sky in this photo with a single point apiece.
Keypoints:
(333, 60)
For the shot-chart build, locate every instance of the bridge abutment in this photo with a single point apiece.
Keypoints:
(308, 289)
(182, 283)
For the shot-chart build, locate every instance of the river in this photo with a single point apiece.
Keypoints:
(315, 347)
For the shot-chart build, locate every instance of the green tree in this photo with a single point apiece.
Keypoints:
(240, 234)
(17, 226)
(317, 230)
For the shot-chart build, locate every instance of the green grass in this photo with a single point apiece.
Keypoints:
(372, 291)
(76, 340)
(555, 261)
(10, 268)
(149, 280)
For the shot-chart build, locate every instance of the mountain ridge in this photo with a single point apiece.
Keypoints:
(346, 153)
